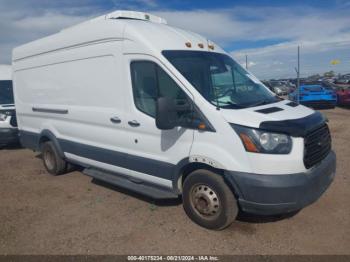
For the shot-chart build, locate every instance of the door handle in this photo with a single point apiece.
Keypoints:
(134, 123)
(116, 120)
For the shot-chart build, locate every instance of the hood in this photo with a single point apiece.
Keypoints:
(284, 116)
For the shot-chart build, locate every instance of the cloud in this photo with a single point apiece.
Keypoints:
(21, 23)
(324, 34)
(240, 23)
(280, 60)
(48, 22)
(250, 64)
(218, 25)
(24, 21)
(23, 30)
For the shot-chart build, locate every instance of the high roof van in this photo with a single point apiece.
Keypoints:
(167, 113)
(8, 123)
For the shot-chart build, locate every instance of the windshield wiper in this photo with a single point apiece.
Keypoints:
(231, 105)
(264, 102)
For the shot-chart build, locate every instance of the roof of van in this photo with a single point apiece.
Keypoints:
(5, 72)
(150, 30)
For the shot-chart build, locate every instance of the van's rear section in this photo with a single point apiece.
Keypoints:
(166, 113)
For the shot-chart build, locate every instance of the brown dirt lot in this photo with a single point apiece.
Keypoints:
(41, 214)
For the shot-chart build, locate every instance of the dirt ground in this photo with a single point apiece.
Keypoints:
(71, 214)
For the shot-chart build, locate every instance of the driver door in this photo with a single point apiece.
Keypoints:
(154, 152)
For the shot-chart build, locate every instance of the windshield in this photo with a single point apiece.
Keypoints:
(220, 80)
(6, 92)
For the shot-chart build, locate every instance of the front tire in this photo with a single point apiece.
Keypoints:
(53, 163)
(208, 201)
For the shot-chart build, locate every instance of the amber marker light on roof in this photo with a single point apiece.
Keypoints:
(188, 44)
(211, 47)
(200, 45)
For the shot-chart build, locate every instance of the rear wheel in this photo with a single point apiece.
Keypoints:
(208, 201)
(53, 163)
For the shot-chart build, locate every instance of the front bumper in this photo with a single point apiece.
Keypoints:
(278, 194)
(8, 136)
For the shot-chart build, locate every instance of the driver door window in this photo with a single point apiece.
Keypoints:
(144, 85)
(149, 81)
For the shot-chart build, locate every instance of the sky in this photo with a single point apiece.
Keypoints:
(268, 32)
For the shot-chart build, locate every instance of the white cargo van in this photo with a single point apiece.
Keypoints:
(167, 113)
(8, 123)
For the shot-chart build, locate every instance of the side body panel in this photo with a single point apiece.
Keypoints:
(83, 99)
(73, 94)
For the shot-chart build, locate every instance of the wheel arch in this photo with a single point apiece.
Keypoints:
(47, 135)
(187, 168)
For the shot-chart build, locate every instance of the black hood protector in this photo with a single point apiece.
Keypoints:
(295, 127)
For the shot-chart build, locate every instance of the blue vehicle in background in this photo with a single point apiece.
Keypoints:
(315, 96)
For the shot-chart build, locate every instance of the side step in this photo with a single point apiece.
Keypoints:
(135, 186)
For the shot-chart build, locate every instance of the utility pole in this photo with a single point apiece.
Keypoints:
(246, 62)
(298, 76)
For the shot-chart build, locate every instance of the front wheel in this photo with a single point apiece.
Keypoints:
(208, 201)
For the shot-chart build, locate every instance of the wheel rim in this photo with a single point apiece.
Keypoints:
(49, 159)
(205, 201)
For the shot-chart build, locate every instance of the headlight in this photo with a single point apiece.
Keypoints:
(3, 117)
(260, 141)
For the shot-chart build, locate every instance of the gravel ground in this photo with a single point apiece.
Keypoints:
(71, 214)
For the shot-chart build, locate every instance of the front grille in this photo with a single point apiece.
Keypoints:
(13, 121)
(318, 144)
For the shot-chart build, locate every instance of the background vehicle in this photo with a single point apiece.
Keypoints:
(280, 88)
(267, 84)
(345, 80)
(8, 123)
(165, 112)
(316, 96)
(343, 96)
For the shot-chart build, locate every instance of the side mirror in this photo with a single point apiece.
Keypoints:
(166, 113)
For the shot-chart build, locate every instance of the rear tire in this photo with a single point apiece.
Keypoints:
(53, 163)
(208, 201)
